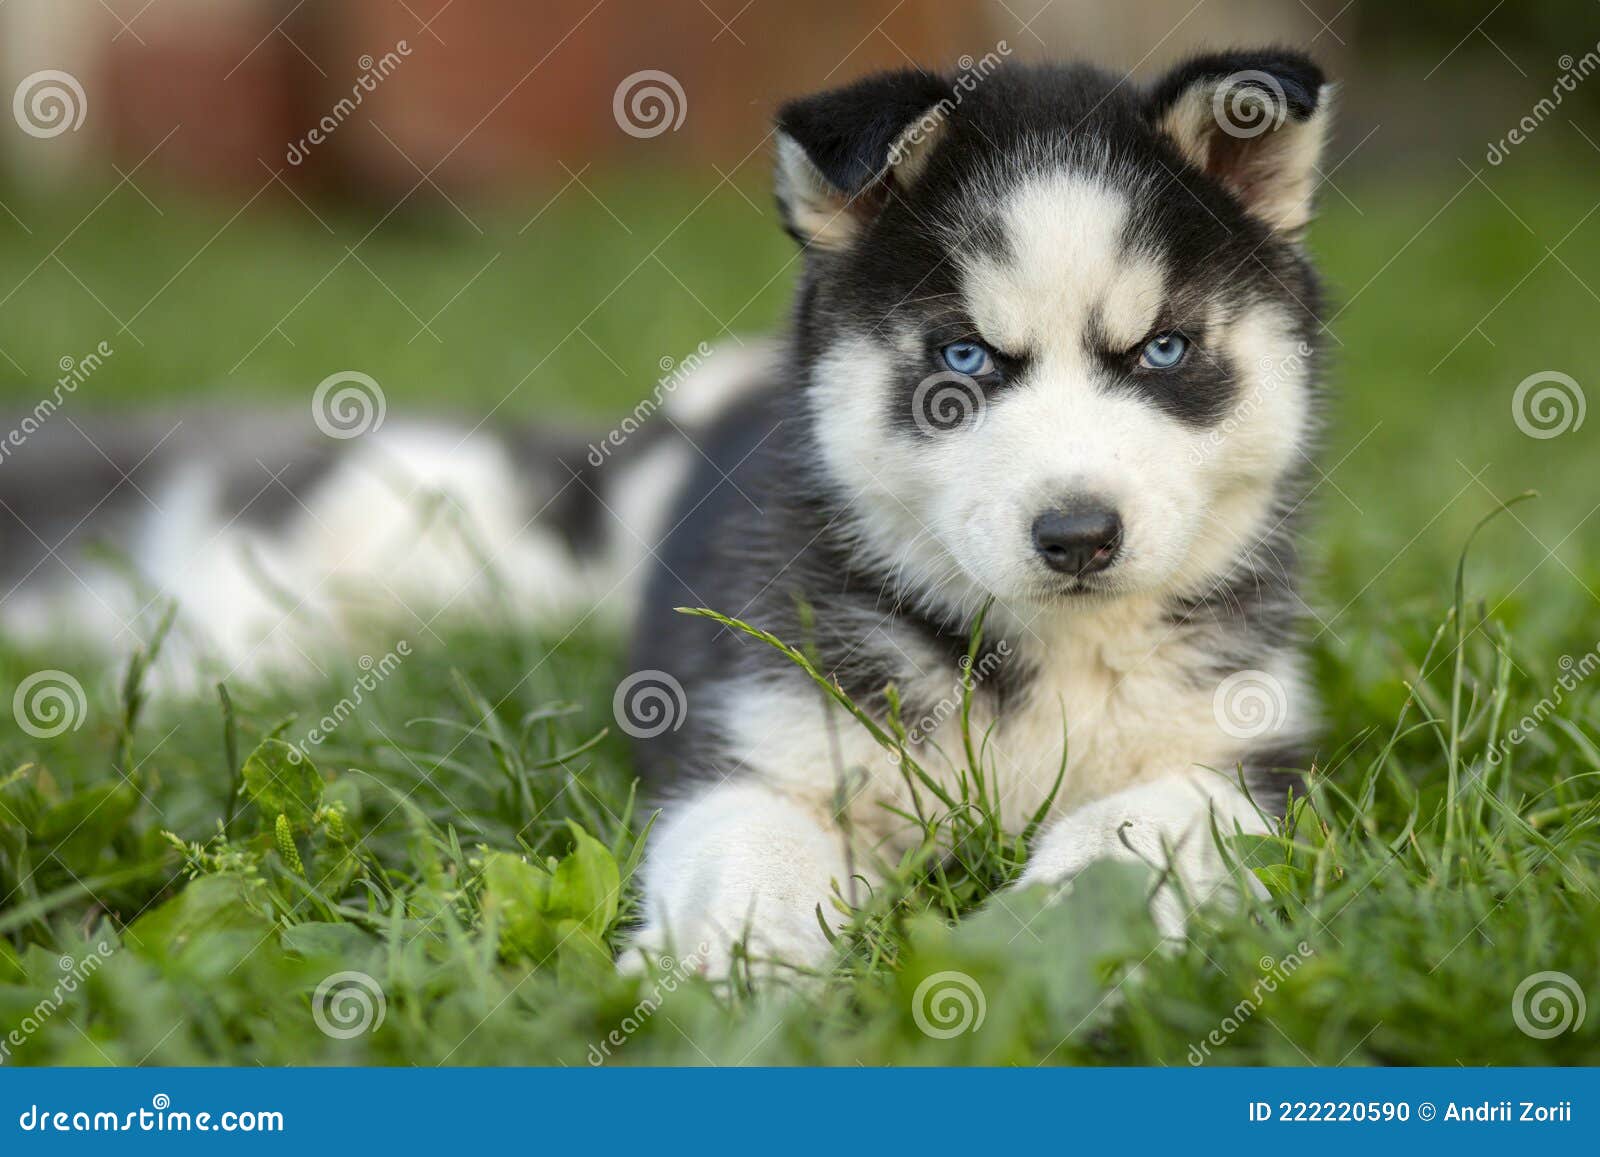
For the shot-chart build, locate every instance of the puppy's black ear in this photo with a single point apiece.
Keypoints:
(1254, 121)
(841, 153)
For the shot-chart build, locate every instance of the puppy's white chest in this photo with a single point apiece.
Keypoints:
(1123, 708)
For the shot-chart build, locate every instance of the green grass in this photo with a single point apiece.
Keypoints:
(1423, 882)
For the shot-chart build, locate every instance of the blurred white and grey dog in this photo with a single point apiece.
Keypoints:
(1053, 354)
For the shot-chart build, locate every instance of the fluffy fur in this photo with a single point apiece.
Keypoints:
(879, 501)
(850, 493)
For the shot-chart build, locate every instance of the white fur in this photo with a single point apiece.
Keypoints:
(1148, 762)
(743, 864)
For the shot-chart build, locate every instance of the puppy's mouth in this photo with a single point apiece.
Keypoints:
(1057, 589)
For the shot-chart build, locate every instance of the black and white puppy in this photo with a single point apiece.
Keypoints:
(1053, 354)
(1052, 361)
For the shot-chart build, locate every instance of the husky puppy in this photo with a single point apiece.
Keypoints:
(1052, 365)
(1053, 354)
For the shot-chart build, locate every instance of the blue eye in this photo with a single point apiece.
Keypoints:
(967, 358)
(1164, 352)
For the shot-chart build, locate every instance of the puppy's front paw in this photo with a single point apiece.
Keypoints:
(1171, 835)
(776, 949)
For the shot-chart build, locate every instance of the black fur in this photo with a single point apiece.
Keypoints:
(787, 563)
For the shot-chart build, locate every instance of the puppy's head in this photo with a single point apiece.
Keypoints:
(1060, 331)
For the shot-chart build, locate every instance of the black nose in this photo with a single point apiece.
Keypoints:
(1079, 541)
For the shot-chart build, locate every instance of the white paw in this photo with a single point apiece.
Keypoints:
(1166, 827)
(782, 947)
